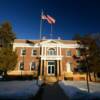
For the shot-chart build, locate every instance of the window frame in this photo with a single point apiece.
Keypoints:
(34, 64)
(20, 66)
(67, 53)
(22, 51)
(51, 52)
(33, 54)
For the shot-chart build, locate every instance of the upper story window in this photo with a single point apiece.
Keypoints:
(51, 52)
(23, 51)
(78, 53)
(34, 52)
(21, 66)
(69, 53)
(33, 66)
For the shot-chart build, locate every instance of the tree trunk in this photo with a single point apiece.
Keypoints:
(87, 80)
(5, 74)
(95, 76)
(90, 76)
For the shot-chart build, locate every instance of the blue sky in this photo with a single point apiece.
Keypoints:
(72, 16)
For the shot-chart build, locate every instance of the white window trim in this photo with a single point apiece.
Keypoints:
(31, 64)
(22, 50)
(53, 49)
(32, 53)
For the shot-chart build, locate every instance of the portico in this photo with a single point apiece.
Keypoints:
(51, 60)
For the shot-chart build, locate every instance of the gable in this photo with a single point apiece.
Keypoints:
(50, 42)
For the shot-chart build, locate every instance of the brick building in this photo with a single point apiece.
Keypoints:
(50, 59)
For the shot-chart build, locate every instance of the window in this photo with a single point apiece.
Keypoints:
(78, 53)
(33, 66)
(21, 66)
(51, 52)
(23, 51)
(69, 53)
(34, 52)
(51, 67)
(69, 67)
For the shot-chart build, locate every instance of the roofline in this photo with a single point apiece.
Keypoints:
(45, 39)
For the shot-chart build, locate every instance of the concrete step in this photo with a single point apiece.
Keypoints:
(50, 79)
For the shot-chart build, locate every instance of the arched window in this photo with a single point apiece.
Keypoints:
(51, 52)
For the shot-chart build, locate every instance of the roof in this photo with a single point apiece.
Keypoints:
(37, 41)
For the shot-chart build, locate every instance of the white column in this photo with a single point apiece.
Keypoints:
(45, 50)
(57, 50)
(60, 50)
(42, 50)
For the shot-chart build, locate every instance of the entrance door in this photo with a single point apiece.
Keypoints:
(51, 67)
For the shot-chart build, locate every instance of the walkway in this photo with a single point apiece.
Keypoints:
(51, 92)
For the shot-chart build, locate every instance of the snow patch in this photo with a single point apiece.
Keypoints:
(19, 90)
(75, 93)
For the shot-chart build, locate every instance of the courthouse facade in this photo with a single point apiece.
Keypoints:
(49, 59)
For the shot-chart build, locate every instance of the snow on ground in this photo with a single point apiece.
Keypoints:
(78, 90)
(20, 90)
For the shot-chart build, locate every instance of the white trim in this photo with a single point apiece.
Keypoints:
(48, 42)
(31, 65)
(45, 51)
(21, 51)
(60, 50)
(57, 50)
(51, 50)
(32, 53)
(47, 45)
(24, 45)
(51, 57)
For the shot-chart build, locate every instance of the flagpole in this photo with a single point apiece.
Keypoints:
(41, 25)
(51, 31)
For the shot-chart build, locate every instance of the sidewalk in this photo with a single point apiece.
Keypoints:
(51, 92)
